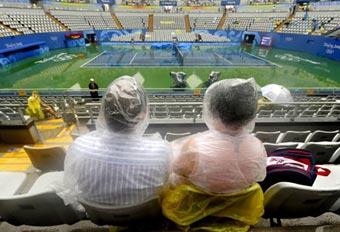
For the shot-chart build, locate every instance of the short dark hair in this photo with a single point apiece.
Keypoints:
(234, 105)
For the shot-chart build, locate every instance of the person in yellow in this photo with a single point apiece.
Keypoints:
(37, 108)
(215, 173)
(34, 106)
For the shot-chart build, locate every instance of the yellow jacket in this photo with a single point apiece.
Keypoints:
(34, 108)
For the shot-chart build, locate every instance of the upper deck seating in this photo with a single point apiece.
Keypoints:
(169, 21)
(28, 20)
(264, 8)
(301, 25)
(84, 20)
(254, 21)
(204, 21)
(133, 20)
(5, 31)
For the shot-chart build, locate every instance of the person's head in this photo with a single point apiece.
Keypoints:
(124, 107)
(230, 105)
(92, 80)
(35, 94)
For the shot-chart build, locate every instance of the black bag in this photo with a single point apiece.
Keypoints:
(290, 165)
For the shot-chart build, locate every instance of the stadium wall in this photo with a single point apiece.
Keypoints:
(316, 45)
(53, 40)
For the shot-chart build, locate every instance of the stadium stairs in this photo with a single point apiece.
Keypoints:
(116, 20)
(287, 20)
(222, 21)
(150, 23)
(187, 23)
(56, 21)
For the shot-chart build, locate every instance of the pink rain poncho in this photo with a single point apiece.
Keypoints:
(226, 158)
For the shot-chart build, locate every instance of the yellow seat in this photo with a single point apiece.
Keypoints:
(46, 158)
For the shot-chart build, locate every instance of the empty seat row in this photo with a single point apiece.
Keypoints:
(166, 22)
(28, 20)
(298, 136)
(85, 20)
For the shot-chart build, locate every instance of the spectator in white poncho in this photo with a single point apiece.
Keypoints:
(115, 164)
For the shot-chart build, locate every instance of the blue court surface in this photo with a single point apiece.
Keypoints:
(227, 56)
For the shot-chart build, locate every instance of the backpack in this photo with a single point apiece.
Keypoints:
(290, 165)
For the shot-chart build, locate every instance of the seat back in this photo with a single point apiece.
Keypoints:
(267, 137)
(273, 146)
(322, 136)
(11, 182)
(42, 209)
(294, 136)
(107, 215)
(46, 158)
(323, 151)
(289, 200)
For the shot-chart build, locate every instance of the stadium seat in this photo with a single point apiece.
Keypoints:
(129, 215)
(264, 114)
(75, 135)
(289, 200)
(273, 146)
(11, 182)
(293, 136)
(41, 206)
(336, 138)
(46, 158)
(173, 136)
(321, 136)
(323, 151)
(267, 137)
(335, 157)
(279, 114)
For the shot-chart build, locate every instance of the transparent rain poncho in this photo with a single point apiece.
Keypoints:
(116, 165)
(124, 108)
(226, 158)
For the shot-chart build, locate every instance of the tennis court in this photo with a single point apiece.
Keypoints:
(175, 56)
(60, 68)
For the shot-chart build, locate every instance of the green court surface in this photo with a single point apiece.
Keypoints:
(65, 69)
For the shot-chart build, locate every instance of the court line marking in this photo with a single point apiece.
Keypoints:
(133, 58)
(92, 59)
(222, 58)
(263, 59)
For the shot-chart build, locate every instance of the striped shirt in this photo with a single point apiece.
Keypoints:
(116, 169)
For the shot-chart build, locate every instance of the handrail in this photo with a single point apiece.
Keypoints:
(84, 91)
